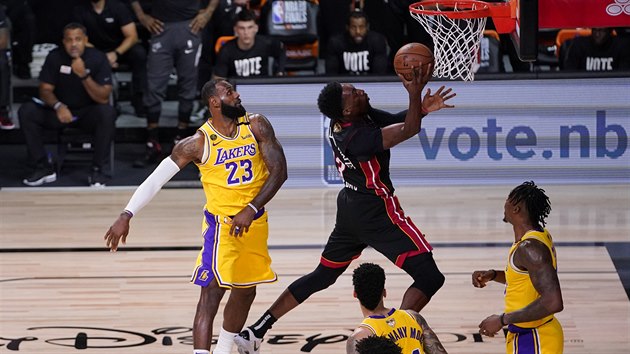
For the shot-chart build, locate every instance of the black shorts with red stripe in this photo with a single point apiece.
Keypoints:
(371, 220)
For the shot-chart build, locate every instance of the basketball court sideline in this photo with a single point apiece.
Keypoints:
(59, 283)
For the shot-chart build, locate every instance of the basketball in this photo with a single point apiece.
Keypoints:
(412, 55)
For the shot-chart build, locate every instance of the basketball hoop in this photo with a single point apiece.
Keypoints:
(456, 27)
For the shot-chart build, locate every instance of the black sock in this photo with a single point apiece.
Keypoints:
(263, 324)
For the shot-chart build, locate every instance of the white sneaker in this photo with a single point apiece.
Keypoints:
(247, 343)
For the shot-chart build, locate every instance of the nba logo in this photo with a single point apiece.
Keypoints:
(277, 12)
(331, 172)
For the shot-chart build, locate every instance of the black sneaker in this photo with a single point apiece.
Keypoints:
(42, 174)
(151, 156)
(97, 178)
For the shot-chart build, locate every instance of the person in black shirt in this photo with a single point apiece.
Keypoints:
(368, 212)
(248, 54)
(74, 90)
(23, 33)
(111, 29)
(601, 51)
(175, 27)
(358, 51)
(5, 74)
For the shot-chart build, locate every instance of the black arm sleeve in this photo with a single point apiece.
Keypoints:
(383, 119)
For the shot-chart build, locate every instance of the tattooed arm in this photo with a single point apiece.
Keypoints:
(276, 163)
(357, 335)
(431, 343)
(534, 257)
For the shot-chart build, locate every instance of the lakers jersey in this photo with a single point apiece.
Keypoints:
(519, 290)
(399, 326)
(232, 168)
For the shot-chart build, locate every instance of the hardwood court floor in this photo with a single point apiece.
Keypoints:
(57, 280)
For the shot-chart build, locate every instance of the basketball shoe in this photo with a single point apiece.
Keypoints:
(247, 343)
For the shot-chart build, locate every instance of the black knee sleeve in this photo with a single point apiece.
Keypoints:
(425, 273)
(319, 279)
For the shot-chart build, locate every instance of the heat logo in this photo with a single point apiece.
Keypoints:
(618, 7)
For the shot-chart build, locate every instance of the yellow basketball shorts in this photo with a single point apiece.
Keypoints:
(235, 262)
(546, 339)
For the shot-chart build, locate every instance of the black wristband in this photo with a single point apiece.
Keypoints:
(501, 319)
(494, 274)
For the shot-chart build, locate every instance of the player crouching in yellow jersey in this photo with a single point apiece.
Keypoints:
(532, 288)
(242, 166)
(405, 327)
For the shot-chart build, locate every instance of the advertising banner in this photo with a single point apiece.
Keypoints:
(551, 131)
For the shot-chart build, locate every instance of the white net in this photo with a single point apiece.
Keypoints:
(456, 40)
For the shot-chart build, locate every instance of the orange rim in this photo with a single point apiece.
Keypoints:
(466, 8)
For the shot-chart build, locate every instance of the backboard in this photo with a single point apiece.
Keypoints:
(524, 33)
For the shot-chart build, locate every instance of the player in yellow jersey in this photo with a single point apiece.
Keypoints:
(532, 288)
(242, 166)
(407, 328)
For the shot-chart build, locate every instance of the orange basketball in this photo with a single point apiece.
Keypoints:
(412, 55)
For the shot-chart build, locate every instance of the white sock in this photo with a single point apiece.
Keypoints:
(225, 342)
(200, 351)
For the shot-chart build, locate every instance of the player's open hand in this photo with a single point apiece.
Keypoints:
(117, 232)
(437, 101)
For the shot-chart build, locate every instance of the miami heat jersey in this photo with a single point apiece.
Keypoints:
(519, 290)
(400, 327)
(232, 168)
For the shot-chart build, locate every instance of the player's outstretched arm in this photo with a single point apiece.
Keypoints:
(397, 133)
(273, 156)
(431, 342)
(189, 149)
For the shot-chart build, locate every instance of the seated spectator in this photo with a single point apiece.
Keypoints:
(359, 51)
(248, 54)
(601, 51)
(74, 90)
(110, 28)
(5, 73)
(23, 33)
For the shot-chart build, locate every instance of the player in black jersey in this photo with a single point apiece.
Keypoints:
(368, 212)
